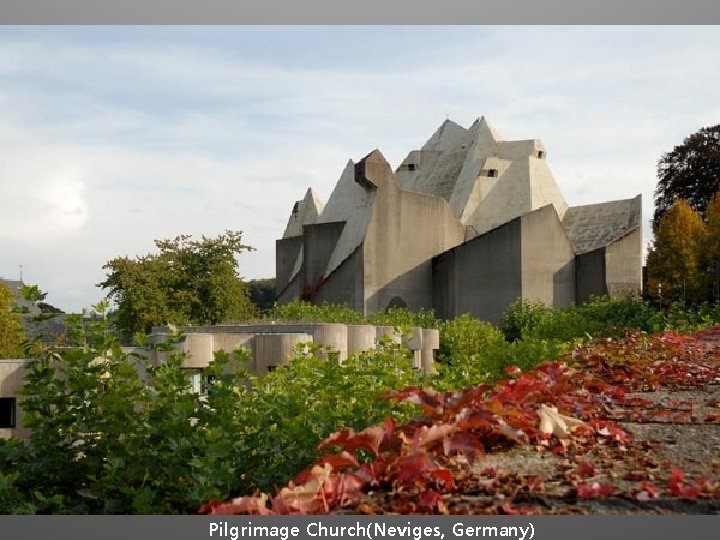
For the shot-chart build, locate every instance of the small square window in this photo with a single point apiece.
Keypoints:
(411, 166)
(7, 412)
(271, 368)
(492, 173)
(540, 154)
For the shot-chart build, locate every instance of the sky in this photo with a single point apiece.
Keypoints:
(112, 137)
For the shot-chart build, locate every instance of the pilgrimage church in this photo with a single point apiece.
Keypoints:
(466, 224)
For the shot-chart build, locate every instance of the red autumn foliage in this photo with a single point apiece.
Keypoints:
(428, 465)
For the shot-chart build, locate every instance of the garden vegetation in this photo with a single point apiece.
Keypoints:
(112, 434)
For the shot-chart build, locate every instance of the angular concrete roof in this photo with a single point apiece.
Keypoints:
(352, 203)
(593, 226)
(305, 212)
(486, 179)
(434, 169)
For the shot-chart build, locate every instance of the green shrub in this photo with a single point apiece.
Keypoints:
(405, 318)
(465, 337)
(522, 317)
(290, 410)
(302, 311)
(112, 434)
(616, 315)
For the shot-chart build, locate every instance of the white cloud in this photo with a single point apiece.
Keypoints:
(107, 146)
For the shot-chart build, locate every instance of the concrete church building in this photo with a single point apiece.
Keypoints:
(467, 224)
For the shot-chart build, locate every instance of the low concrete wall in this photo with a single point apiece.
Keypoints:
(361, 337)
(201, 341)
(273, 350)
(270, 345)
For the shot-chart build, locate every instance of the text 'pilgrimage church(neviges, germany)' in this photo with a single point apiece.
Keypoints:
(467, 224)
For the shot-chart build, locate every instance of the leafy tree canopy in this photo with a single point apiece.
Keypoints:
(12, 334)
(675, 261)
(262, 293)
(710, 249)
(187, 282)
(690, 172)
(32, 293)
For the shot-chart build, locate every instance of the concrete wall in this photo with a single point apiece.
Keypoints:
(444, 289)
(590, 275)
(319, 243)
(623, 265)
(270, 345)
(346, 283)
(548, 259)
(201, 341)
(287, 250)
(12, 375)
(481, 277)
(406, 230)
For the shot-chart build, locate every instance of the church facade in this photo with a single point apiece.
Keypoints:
(466, 224)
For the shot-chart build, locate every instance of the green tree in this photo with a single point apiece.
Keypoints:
(710, 252)
(187, 282)
(262, 293)
(12, 334)
(32, 293)
(690, 172)
(674, 261)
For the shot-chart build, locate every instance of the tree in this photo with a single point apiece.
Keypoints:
(262, 293)
(710, 252)
(690, 172)
(674, 262)
(12, 334)
(187, 282)
(32, 293)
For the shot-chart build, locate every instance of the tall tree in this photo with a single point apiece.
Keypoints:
(187, 282)
(12, 334)
(690, 172)
(710, 252)
(262, 293)
(674, 262)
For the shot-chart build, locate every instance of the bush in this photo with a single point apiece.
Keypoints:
(290, 410)
(522, 317)
(302, 311)
(112, 434)
(465, 337)
(404, 318)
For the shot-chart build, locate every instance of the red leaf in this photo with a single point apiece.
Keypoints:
(512, 371)
(443, 476)
(339, 461)
(594, 491)
(429, 498)
(428, 400)
(426, 436)
(689, 492)
(477, 418)
(510, 510)
(408, 468)
(585, 468)
(467, 444)
(677, 475)
(368, 439)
